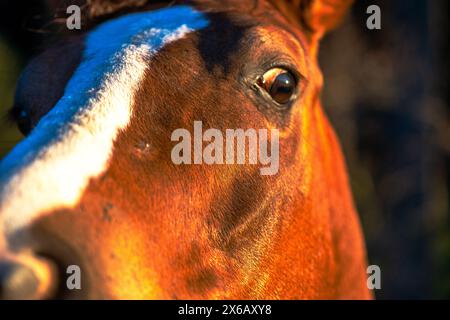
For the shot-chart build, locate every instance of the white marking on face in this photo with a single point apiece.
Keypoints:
(73, 142)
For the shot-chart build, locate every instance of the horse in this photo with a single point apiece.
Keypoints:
(93, 184)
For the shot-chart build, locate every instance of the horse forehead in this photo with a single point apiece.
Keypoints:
(73, 143)
(143, 28)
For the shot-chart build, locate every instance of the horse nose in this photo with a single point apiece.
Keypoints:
(26, 277)
(38, 260)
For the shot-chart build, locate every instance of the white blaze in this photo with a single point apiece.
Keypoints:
(74, 141)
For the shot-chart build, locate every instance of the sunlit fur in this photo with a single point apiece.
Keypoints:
(145, 228)
(79, 132)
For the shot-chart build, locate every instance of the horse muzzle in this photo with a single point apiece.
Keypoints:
(26, 276)
(33, 267)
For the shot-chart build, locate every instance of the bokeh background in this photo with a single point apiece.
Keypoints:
(386, 92)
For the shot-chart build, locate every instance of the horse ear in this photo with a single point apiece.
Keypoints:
(318, 16)
(323, 15)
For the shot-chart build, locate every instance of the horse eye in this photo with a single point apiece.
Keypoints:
(279, 83)
(23, 120)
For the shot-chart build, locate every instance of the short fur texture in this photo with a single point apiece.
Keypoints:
(146, 228)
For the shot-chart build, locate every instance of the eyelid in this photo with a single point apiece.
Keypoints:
(283, 62)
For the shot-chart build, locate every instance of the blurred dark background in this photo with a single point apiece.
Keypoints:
(386, 92)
